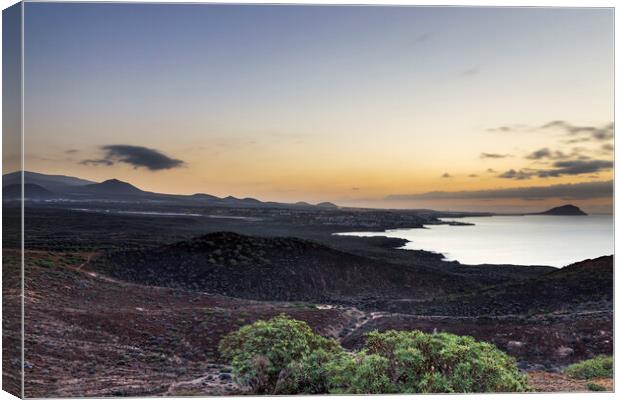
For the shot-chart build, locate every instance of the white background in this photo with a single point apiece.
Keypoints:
(505, 3)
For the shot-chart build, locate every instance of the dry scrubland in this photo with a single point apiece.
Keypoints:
(109, 312)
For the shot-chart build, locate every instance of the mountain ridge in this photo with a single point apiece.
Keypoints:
(68, 187)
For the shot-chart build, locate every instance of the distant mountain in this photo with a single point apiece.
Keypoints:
(567, 209)
(203, 196)
(327, 204)
(31, 191)
(68, 187)
(112, 187)
(54, 183)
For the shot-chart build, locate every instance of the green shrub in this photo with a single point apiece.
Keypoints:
(595, 387)
(444, 363)
(359, 373)
(261, 351)
(284, 356)
(597, 367)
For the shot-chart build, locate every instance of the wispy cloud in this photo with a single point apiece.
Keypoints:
(575, 191)
(136, 156)
(470, 72)
(518, 175)
(576, 167)
(584, 133)
(560, 168)
(424, 37)
(578, 133)
(494, 155)
(608, 148)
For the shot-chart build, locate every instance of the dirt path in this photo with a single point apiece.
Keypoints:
(89, 257)
(213, 382)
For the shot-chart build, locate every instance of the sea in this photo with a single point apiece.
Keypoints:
(520, 240)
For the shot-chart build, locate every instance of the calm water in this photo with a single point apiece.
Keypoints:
(527, 240)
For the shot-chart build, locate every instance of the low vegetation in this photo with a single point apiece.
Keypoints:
(597, 367)
(284, 356)
(595, 387)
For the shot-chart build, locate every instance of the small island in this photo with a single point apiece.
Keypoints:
(567, 209)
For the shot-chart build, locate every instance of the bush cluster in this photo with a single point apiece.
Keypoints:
(597, 367)
(284, 356)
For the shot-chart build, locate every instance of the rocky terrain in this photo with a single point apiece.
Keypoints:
(136, 304)
(89, 334)
(275, 269)
(583, 286)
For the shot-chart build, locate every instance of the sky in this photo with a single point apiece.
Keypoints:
(496, 109)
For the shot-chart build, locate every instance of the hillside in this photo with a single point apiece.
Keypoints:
(111, 187)
(588, 282)
(567, 209)
(54, 183)
(274, 269)
(31, 191)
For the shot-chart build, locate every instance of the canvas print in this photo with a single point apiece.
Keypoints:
(221, 199)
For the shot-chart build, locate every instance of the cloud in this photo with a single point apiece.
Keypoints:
(539, 154)
(576, 167)
(601, 133)
(544, 153)
(491, 170)
(559, 168)
(508, 128)
(137, 156)
(580, 133)
(424, 37)
(446, 175)
(574, 191)
(493, 155)
(518, 175)
(71, 151)
(470, 72)
(473, 175)
(99, 161)
(607, 148)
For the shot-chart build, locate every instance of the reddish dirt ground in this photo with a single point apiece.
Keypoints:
(552, 382)
(87, 335)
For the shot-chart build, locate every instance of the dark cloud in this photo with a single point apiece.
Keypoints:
(491, 170)
(493, 155)
(99, 161)
(446, 175)
(574, 191)
(137, 156)
(585, 133)
(575, 154)
(71, 151)
(560, 168)
(539, 154)
(518, 175)
(579, 133)
(608, 148)
(473, 175)
(576, 167)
